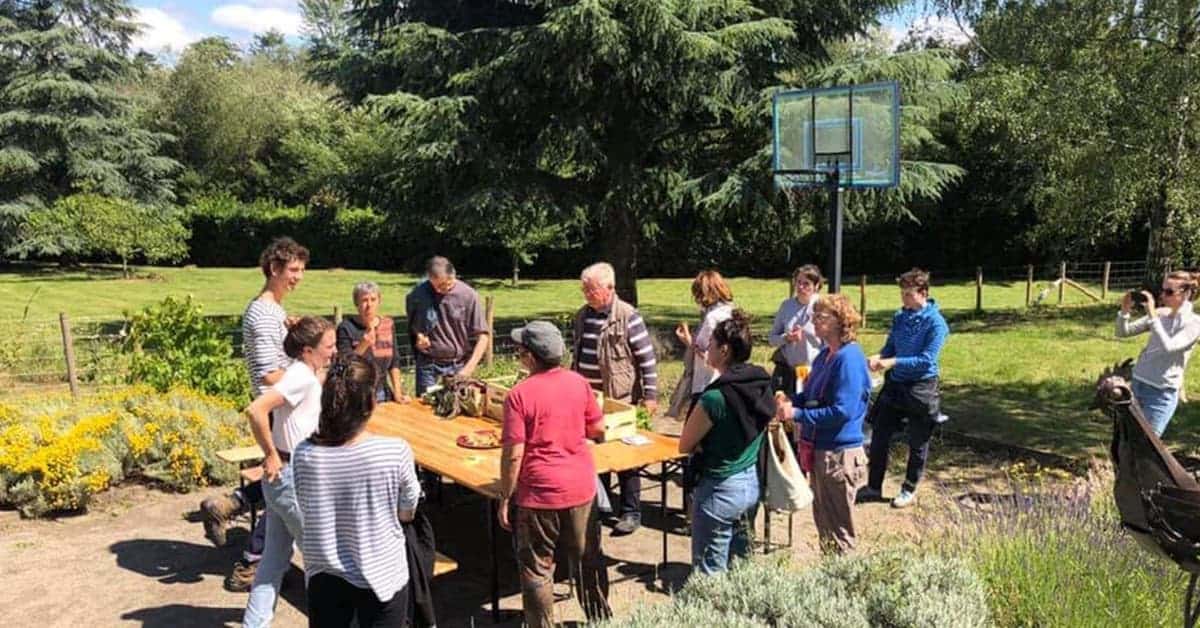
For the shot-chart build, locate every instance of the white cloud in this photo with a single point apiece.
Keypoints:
(161, 32)
(256, 19)
(941, 28)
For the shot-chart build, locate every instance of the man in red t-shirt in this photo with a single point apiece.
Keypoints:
(547, 464)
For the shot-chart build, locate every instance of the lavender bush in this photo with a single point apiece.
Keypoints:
(895, 589)
(1058, 557)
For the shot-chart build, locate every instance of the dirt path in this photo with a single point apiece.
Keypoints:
(139, 558)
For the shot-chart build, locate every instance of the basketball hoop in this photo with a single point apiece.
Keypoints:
(837, 139)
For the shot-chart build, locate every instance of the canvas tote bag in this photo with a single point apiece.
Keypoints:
(787, 490)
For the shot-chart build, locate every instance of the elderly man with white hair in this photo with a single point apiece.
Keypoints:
(446, 324)
(373, 336)
(613, 352)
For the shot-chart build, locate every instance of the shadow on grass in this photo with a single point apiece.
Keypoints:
(1050, 416)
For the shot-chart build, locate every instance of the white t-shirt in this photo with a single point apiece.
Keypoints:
(702, 376)
(297, 418)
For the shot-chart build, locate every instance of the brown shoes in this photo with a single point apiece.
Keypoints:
(217, 513)
(242, 577)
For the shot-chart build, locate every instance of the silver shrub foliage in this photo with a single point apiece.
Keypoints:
(894, 589)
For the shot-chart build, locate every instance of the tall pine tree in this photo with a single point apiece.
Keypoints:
(625, 112)
(63, 126)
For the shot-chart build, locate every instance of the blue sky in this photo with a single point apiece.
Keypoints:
(170, 25)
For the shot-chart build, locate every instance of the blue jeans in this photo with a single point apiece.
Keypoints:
(283, 530)
(1158, 403)
(721, 514)
(428, 372)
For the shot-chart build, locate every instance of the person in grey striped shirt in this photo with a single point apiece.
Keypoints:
(354, 490)
(264, 327)
(613, 352)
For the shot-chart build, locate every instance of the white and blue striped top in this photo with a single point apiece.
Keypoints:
(349, 497)
(263, 330)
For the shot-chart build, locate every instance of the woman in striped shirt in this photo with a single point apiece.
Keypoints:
(354, 490)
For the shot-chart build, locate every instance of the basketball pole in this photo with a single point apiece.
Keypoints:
(837, 210)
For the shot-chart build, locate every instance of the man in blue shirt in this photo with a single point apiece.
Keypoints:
(910, 390)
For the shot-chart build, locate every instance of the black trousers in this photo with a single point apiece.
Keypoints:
(333, 602)
(784, 378)
(631, 492)
(915, 403)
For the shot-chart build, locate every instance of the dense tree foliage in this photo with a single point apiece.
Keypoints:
(555, 132)
(623, 116)
(1094, 106)
(64, 128)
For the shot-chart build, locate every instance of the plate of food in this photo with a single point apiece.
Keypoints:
(479, 439)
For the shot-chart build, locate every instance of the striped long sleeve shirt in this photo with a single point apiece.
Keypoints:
(349, 496)
(587, 362)
(264, 326)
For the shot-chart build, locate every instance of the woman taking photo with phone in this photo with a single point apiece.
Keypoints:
(1174, 329)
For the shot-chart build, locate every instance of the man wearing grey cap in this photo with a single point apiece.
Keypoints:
(547, 470)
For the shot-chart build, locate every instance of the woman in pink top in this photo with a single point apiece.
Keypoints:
(547, 466)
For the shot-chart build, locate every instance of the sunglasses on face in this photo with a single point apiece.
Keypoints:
(823, 316)
(1170, 292)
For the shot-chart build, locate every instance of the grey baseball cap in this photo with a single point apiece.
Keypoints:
(542, 338)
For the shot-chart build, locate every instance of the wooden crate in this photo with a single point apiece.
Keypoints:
(620, 419)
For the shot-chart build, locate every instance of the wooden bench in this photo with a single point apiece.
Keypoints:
(249, 462)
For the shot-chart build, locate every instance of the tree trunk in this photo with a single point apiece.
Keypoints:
(620, 246)
(1162, 250)
(516, 269)
(124, 268)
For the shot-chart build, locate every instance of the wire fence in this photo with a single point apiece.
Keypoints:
(46, 354)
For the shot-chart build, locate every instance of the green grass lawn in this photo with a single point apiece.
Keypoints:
(1011, 374)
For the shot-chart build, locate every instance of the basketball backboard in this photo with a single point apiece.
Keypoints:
(854, 129)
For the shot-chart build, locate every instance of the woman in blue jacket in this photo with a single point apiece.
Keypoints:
(832, 408)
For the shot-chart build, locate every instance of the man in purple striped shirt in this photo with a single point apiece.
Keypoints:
(613, 351)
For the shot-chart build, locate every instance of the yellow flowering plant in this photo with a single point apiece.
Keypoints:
(55, 452)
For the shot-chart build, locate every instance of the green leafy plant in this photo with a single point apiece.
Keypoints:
(173, 344)
(643, 419)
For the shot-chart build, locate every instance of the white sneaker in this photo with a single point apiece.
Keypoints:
(905, 499)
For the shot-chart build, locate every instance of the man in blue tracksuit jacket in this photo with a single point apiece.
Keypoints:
(910, 389)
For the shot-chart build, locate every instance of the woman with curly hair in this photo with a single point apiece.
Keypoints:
(832, 407)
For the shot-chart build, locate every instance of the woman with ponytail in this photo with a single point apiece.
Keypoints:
(295, 401)
(355, 489)
(1158, 374)
(726, 427)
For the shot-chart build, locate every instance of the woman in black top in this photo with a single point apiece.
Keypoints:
(373, 336)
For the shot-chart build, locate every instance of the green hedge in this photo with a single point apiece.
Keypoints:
(228, 232)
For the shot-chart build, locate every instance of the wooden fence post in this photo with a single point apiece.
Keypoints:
(337, 315)
(1028, 284)
(69, 353)
(490, 312)
(1104, 281)
(862, 299)
(1062, 281)
(979, 289)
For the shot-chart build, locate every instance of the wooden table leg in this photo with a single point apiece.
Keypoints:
(663, 483)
